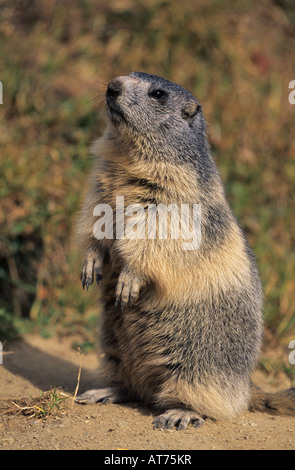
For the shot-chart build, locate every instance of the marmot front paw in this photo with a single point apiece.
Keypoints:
(92, 267)
(128, 288)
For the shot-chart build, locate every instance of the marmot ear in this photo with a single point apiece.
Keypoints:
(190, 110)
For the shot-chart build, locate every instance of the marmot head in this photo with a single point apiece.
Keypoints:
(156, 110)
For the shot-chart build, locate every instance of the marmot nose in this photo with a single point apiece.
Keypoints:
(114, 89)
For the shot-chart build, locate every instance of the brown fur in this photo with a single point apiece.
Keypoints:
(280, 403)
(189, 331)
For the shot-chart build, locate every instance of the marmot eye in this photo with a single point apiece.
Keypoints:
(158, 94)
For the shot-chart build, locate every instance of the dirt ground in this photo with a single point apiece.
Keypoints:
(35, 364)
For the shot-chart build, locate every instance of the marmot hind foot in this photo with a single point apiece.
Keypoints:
(104, 396)
(179, 419)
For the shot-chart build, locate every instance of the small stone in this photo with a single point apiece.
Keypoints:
(7, 441)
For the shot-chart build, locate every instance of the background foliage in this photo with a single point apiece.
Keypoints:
(55, 59)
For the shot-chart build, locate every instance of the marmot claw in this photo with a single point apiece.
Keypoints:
(92, 266)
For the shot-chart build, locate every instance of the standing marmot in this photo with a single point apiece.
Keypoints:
(188, 331)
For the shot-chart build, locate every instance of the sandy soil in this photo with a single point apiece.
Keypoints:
(35, 364)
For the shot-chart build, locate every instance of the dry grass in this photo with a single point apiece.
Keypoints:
(79, 374)
(51, 403)
(48, 404)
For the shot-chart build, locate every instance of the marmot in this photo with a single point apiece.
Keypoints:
(181, 329)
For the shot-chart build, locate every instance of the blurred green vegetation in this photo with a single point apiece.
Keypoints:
(55, 59)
